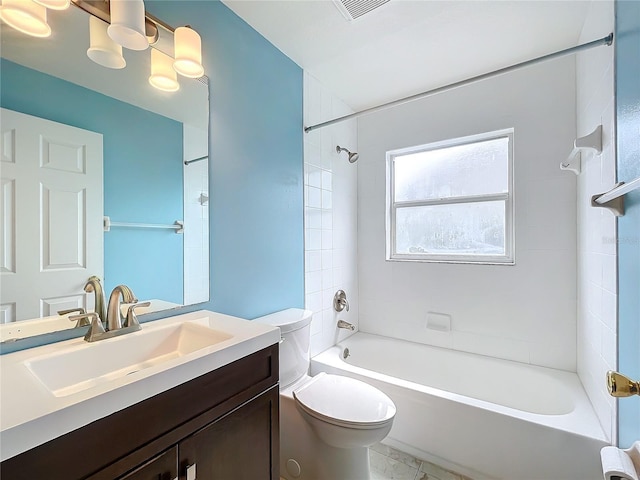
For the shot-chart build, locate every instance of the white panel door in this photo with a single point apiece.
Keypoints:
(51, 235)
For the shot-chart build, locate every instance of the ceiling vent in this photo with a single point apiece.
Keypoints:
(354, 9)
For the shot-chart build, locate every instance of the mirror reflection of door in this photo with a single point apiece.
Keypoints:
(143, 155)
(51, 237)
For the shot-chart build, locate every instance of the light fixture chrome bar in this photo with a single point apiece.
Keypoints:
(100, 9)
(608, 40)
(199, 159)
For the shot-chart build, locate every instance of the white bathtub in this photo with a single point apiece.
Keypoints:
(481, 416)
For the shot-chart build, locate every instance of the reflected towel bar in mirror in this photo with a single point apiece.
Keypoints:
(178, 225)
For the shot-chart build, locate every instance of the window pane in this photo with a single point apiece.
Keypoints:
(473, 169)
(453, 229)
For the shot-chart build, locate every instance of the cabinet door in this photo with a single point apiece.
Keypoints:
(243, 445)
(162, 467)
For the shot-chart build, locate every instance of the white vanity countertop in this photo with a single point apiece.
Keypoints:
(30, 414)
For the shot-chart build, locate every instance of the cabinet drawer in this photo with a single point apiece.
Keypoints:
(162, 467)
(243, 445)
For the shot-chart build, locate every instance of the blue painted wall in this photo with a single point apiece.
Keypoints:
(256, 162)
(628, 154)
(142, 179)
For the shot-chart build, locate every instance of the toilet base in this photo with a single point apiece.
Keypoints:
(303, 456)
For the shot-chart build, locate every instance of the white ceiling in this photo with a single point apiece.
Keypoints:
(409, 46)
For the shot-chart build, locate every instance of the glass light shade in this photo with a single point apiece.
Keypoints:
(163, 76)
(54, 4)
(25, 16)
(127, 24)
(102, 49)
(188, 52)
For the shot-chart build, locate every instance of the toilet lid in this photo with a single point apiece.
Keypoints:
(343, 400)
(287, 320)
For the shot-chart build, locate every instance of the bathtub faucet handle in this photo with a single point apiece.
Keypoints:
(340, 301)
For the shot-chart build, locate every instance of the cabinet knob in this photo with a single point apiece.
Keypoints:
(191, 472)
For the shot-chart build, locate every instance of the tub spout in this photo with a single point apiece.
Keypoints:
(347, 325)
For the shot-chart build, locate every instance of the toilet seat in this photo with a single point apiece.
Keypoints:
(345, 402)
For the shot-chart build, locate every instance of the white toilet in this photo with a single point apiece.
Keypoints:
(327, 422)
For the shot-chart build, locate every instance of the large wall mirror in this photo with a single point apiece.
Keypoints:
(102, 174)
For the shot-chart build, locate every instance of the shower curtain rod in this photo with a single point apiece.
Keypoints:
(608, 40)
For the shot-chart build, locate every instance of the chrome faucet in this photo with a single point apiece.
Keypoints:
(116, 323)
(114, 315)
(94, 285)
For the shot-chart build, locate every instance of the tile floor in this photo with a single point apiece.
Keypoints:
(390, 464)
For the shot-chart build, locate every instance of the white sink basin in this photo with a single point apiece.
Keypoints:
(84, 366)
(53, 389)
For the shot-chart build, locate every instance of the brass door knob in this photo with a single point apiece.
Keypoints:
(621, 386)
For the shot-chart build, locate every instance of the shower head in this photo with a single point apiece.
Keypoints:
(353, 156)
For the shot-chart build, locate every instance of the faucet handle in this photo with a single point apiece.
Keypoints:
(95, 327)
(132, 318)
(340, 301)
(82, 318)
(80, 310)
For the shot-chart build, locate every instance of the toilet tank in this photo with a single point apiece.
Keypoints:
(295, 331)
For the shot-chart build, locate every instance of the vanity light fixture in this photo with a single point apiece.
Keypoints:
(163, 76)
(114, 24)
(128, 24)
(25, 16)
(188, 52)
(54, 4)
(102, 49)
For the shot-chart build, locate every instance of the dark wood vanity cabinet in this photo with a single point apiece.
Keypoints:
(222, 425)
(162, 467)
(233, 447)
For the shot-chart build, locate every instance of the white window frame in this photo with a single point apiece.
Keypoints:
(509, 256)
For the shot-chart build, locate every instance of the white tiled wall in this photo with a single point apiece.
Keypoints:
(330, 200)
(597, 286)
(525, 312)
(196, 217)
